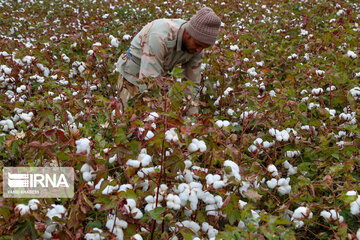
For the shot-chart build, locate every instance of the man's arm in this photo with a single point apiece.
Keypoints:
(192, 71)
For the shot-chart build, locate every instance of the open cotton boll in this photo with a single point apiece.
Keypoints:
(173, 202)
(55, 211)
(302, 213)
(193, 147)
(171, 135)
(355, 206)
(33, 204)
(136, 237)
(351, 193)
(272, 183)
(219, 123)
(193, 226)
(351, 54)
(113, 221)
(83, 144)
(86, 168)
(22, 209)
(273, 170)
(87, 176)
(26, 116)
(136, 213)
(219, 184)
(331, 216)
(149, 135)
(133, 163)
(235, 171)
(112, 159)
(109, 189)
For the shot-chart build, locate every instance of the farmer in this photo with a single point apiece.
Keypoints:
(162, 44)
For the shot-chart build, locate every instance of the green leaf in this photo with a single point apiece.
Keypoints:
(157, 213)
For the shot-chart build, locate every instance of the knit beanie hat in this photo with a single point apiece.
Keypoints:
(204, 26)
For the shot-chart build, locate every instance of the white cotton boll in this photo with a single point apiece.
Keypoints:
(136, 237)
(114, 42)
(193, 147)
(228, 91)
(351, 54)
(145, 159)
(230, 112)
(252, 72)
(219, 184)
(272, 183)
(136, 213)
(252, 148)
(325, 214)
(317, 91)
(355, 206)
(282, 190)
(171, 135)
(188, 163)
(287, 165)
(126, 37)
(112, 159)
(273, 170)
(320, 73)
(86, 168)
(33, 204)
(65, 58)
(83, 144)
(22, 209)
(109, 189)
(292, 171)
(219, 123)
(234, 48)
(351, 193)
(125, 187)
(87, 176)
(133, 163)
(149, 135)
(242, 204)
(302, 213)
(202, 146)
(272, 132)
(26, 116)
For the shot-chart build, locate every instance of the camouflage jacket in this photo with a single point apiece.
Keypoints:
(155, 50)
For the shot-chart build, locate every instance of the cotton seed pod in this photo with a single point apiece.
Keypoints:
(75, 134)
(169, 217)
(233, 138)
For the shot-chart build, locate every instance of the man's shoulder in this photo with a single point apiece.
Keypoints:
(167, 25)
